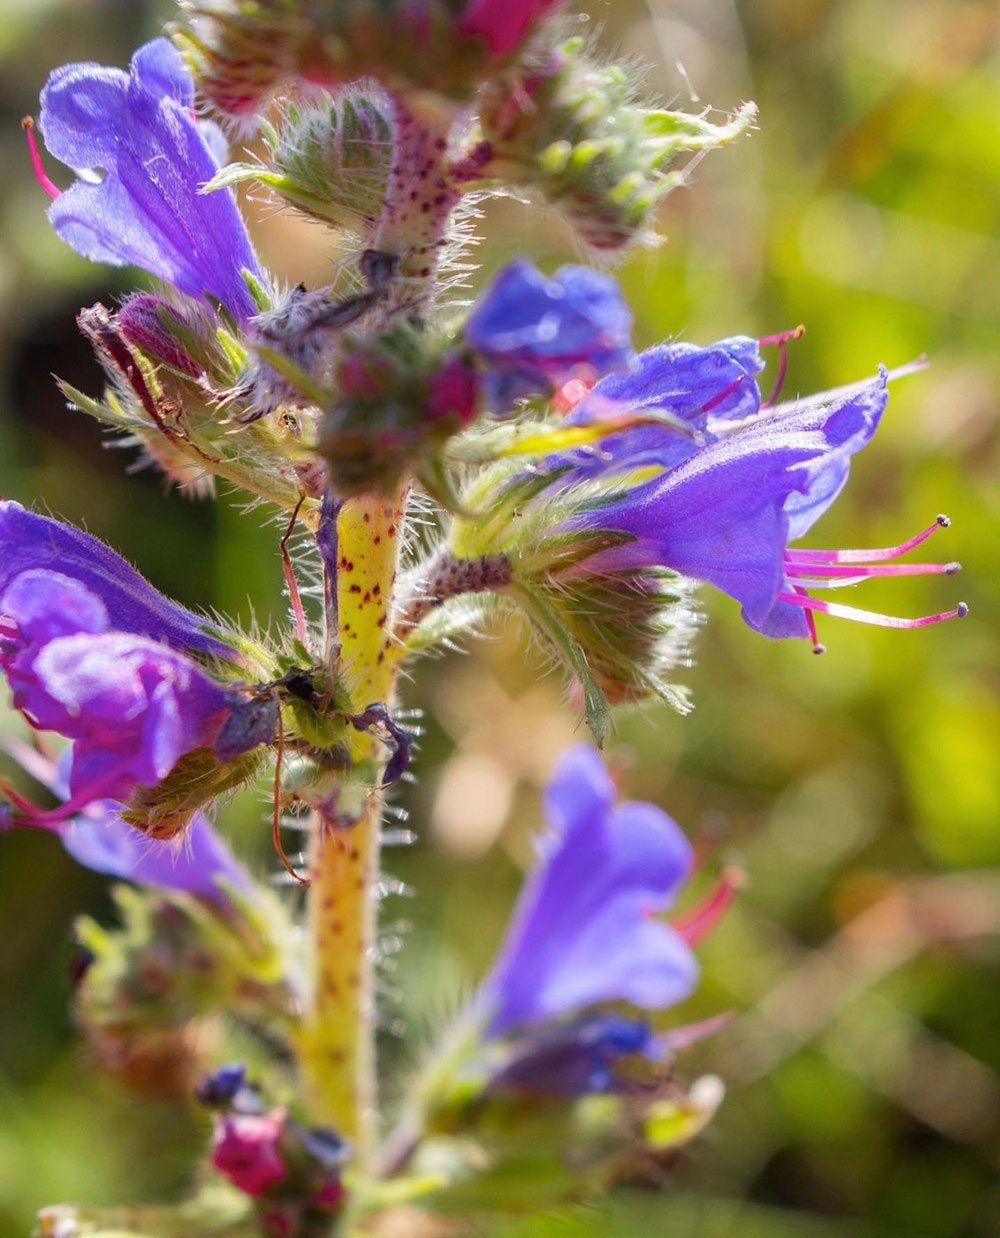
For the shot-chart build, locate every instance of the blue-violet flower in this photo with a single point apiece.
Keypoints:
(723, 506)
(534, 333)
(94, 653)
(142, 157)
(588, 928)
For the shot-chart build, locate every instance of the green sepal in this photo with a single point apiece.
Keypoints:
(596, 709)
(197, 779)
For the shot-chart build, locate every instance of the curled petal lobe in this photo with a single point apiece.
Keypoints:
(142, 158)
(586, 929)
(132, 706)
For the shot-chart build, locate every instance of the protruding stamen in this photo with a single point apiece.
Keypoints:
(811, 625)
(781, 340)
(866, 556)
(697, 922)
(28, 125)
(782, 337)
(838, 611)
(851, 574)
(717, 399)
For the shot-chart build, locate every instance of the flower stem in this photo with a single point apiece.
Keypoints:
(339, 1035)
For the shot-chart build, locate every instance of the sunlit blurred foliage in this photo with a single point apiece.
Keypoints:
(860, 792)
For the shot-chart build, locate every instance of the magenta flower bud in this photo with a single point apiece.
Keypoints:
(453, 392)
(143, 320)
(504, 25)
(246, 1150)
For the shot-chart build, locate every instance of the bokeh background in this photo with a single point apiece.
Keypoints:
(859, 791)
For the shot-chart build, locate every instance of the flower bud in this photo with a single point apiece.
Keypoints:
(241, 52)
(245, 1149)
(400, 399)
(146, 322)
(572, 131)
(329, 160)
(158, 982)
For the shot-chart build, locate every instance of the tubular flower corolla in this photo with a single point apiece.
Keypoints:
(142, 159)
(94, 653)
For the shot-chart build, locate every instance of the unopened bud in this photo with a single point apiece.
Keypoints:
(571, 130)
(331, 160)
(399, 402)
(241, 51)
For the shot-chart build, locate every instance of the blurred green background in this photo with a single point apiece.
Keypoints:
(860, 791)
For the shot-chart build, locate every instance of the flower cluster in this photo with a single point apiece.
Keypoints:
(571, 480)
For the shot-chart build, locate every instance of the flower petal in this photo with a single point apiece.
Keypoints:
(144, 208)
(29, 542)
(584, 929)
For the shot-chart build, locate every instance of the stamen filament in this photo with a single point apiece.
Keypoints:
(866, 556)
(818, 646)
(851, 572)
(781, 340)
(721, 395)
(837, 611)
(698, 921)
(28, 125)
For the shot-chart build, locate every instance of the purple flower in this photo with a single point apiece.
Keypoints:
(703, 388)
(32, 542)
(145, 157)
(94, 653)
(726, 511)
(535, 333)
(99, 839)
(587, 928)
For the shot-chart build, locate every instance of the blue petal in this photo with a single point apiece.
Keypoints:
(584, 930)
(534, 333)
(29, 542)
(101, 841)
(576, 1058)
(727, 514)
(700, 386)
(144, 208)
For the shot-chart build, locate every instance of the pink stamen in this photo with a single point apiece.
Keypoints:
(726, 391)
(866, 556)
(28, 125)
(781, 340)
(818, 647)
(837, 611)
(570, 394)
(851, 574)
(697, 922)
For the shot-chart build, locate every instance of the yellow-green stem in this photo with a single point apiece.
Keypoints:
(339, 1039)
